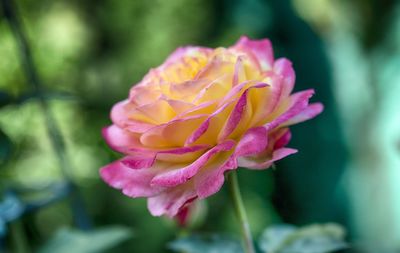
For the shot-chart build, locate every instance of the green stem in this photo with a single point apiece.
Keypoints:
(240, 212)
(19, 240)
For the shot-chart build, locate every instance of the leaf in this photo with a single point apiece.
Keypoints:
(273, 237)
(72, 240)
(310, 239)
(206, 244)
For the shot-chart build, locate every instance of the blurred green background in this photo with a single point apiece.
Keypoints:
(89, 53)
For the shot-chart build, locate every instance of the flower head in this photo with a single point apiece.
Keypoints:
(200, 114)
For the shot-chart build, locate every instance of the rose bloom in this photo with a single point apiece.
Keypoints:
(202, 113)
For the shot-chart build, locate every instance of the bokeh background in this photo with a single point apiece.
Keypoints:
(89, 53)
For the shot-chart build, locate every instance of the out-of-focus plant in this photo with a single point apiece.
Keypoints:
(16, 203)
(363, 43)
(317, 238)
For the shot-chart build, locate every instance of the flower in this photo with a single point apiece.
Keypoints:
(203, 112)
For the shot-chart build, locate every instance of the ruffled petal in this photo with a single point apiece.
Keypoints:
(204, 108)
(171, 134)
(134, 182)
(121, 116)
(254, 141)
(283, 67)
(239, 75)
(265, 102)
(120, 139)
(182, 154)
(261, 49)
(208, 130)
(281, 138)
(178, 106)
(278, 154)
(308, 113)
(159, 112)
(297, 103)
(222, 63)
(210, 181)
(138, 161)
(181, 175)
(170, 201)
(189, 51)
(185, 91)
(125, 112)
(240, 117)
(215, 90)
(141, 95)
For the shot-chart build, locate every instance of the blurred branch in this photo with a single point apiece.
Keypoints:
(52, 193)
(53, 131)
(19, 238)
(48, 95)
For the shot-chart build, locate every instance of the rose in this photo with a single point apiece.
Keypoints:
(200, 114)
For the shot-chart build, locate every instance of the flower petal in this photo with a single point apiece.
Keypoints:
(266, 163)
(281, 138)
(298, 102)
(141, 95)
(181, 175)
(240, 116)
(253, 142)
(261, 49)
(188, 51)
(124, 112)
(178, 106)
(210, 181)
(133, 182)
(186, 91)
(203, 108)
(283, 67)
(159, 111)
(119, 139)
(173, 133)
(214, 90)
(138, 161)
(181, 154)
(308, 113)
(121, 116)
(265, 102)
(170, 201)
(222, 63)
(208, 130)
(239, 75)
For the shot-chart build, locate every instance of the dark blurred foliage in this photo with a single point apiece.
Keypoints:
(89, 53)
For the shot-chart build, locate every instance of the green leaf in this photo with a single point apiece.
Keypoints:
(206, 244)
(76, 241)
(274, 237)
(319, 238)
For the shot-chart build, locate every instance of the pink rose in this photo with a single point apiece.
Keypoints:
(200, 114)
